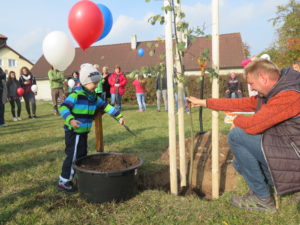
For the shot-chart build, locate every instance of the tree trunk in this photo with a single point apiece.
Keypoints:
(181, 106)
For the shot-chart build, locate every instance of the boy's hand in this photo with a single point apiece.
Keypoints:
(75, 123)
(122, 121)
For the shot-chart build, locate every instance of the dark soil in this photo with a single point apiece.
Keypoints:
(108, 163)
(202, 175)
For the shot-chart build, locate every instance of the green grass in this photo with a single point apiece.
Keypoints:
(32, 151)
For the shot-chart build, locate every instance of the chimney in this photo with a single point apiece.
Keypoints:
(3, 40)
(133, 42)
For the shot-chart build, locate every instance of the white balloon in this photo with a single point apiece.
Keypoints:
(71, 83)
(34, 88)
(58, 50)
(265, 56)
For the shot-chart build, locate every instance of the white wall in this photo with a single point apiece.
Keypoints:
(44, 90)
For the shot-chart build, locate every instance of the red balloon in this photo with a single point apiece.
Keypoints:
(86, 23)
(20, 91)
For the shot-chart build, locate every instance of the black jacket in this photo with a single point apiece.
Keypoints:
(281, 143)
(2, 77)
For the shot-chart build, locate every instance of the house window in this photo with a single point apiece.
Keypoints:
(12, 63)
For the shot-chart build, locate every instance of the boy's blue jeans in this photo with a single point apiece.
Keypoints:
(141, 101)
(116, 101)
(250, 162)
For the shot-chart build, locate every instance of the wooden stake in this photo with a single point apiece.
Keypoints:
(215, 94)
(171, 108)
(99, 132)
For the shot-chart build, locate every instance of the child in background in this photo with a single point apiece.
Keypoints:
(78, 111)
(99, 89)
(13, 98)
(26, 81)
(140, 84)
(75, 77)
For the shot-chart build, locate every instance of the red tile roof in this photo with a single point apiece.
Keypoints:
(231, 55)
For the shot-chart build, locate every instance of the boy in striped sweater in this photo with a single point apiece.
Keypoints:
(78, 111)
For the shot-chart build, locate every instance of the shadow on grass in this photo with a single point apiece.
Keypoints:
(7, 168)
(40, 198)
(11, 148)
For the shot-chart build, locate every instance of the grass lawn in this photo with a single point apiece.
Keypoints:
(31, 155)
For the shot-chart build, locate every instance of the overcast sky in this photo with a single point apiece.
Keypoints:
(27, 22)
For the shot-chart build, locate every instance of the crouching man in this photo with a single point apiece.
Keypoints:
(266, 145)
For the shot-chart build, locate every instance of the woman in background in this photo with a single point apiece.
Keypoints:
(140, 84)
(13, 98)
(26, 81)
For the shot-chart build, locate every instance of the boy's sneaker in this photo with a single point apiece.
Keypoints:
(34, 116)
(68, 187)
(19, 118)
(251, 202)
(15, 119)
(29, 117)
(3, 125)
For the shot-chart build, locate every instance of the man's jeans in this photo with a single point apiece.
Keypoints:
(116, 101)
(141, 101)
(249, 161)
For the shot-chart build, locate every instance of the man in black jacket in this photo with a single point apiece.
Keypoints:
(2, 83)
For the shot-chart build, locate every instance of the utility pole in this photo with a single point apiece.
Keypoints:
(215, 94)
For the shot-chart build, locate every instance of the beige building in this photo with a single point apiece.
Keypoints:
(11, 60)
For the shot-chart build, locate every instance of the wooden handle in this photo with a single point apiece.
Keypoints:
(99, 132)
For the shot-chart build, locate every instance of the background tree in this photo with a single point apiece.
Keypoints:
(286, 48)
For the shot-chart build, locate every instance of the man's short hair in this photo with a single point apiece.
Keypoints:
(263, 66)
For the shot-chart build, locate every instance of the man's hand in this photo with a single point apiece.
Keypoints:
(122, 121)
(232, 126)
(227, 91)
(196, 102)
(75, 123)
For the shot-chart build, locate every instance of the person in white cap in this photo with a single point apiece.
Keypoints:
(78, 111)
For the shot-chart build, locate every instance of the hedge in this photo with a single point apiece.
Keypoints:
(192, 84)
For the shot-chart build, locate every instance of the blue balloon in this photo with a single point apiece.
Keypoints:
(141, 52)
(108, 20)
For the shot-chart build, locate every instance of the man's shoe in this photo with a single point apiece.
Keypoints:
(251, 202)
(3, 125)
(68, 187)
(29, 117)
(34, 117)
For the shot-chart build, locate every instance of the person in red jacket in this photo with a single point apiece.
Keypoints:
(265, 145)
(117, 82)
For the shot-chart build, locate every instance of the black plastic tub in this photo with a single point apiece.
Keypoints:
(98, 187)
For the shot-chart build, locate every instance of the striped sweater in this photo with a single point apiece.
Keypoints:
(81, 105)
